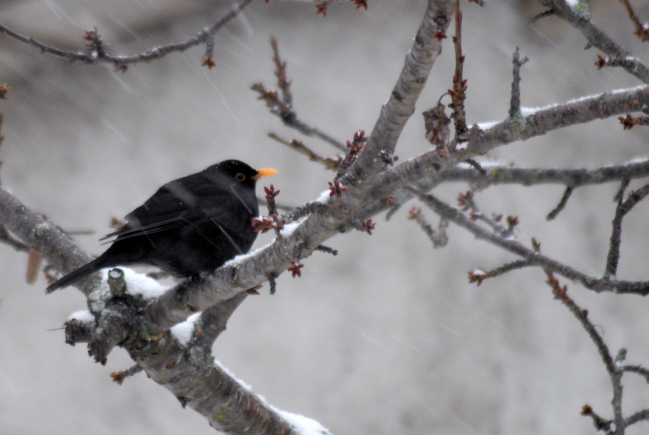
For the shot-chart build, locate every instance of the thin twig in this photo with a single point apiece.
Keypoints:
(623, 207)
(327, 249)
(328, 162)
(641, 31)
(562, 204)
(479, 275)
(540, 16)
(119, 377)
(458, 93)
(611, 367)
(515, 102)
(638, 370)
(283, 107)
(439, 237)
(637, 417)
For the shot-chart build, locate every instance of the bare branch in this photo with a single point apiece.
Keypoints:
(283, 107)
(598, 38)
(147, 56)
(479, 275)
(623, 207)
(598, 284)
(458, 93)
(515, 103)
(640, 30)
(328, 162)
(439, 237)
(562, 204)
(539, 122)
(637, 417)
(614, 373)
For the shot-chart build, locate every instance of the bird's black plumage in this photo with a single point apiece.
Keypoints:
(190, 225)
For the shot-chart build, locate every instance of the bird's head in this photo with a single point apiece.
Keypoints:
(240, 172)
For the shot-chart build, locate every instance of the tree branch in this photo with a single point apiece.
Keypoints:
(155, 53)
(598, 38)
(598, 284)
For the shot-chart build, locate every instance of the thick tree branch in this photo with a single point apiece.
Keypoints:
(41, 235)
(401, 105)
(539, 122)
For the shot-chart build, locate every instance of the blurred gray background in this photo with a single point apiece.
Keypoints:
(386, 338)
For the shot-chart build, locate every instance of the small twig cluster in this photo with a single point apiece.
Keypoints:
(353, 149)
(336, 188)
(275, 221)
(439, 237)
(282, 106)
(467, 202)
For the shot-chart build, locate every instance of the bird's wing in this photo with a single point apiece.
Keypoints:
(172, 206)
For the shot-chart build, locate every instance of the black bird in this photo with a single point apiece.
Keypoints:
(190, 225)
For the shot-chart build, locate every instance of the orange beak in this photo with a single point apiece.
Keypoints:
(264, 172)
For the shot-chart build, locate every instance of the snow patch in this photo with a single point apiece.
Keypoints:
(487, 125)
(289, 228)
(302, 425)
(637, 160)
(324, 196)
(139, 283)
(239, 258)
(82, 316)
(483, 164)
(183, 331)
(232, 375)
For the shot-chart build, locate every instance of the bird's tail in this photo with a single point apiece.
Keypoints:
(74, 276)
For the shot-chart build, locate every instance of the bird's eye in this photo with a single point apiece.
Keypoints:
(240, 177)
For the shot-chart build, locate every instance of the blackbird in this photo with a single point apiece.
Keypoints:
(190, 225)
